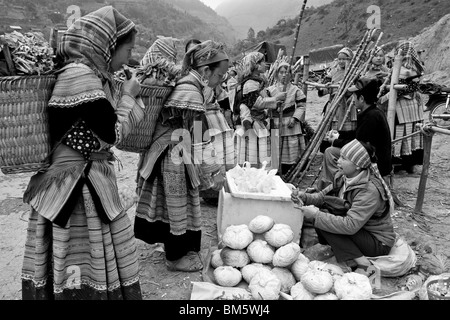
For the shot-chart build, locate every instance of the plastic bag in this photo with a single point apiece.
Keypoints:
(398, 262)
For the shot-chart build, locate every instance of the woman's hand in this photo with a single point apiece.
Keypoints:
(218, 180)
(309, 212)
(291, 122)
(281, 97)
(131, 86)
(297, 197)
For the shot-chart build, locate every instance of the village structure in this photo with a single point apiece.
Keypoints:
(143, 165)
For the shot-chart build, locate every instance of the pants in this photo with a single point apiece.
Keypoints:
(349, 247)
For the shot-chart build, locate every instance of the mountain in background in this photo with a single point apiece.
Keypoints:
(182, 19)
(261, 14)
(345, 22)
(212, 3)
(198, 9)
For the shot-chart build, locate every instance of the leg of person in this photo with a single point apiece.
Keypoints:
(182, 252)
(354, 247)
(329, 167)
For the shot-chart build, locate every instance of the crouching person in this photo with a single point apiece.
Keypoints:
(358, 222)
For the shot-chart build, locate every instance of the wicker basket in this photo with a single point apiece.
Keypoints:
(433, 295)
(141, 136)
(24, 136)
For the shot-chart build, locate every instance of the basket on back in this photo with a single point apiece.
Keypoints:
(141, 136)
(24, 134)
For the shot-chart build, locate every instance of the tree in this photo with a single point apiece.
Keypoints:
(260, 35)
(251, 35)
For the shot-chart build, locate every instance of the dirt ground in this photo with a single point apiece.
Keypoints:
(427, 232)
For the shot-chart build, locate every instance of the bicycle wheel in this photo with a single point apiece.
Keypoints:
(440, 115)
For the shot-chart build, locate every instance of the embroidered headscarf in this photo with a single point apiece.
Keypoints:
(283, 65)
(378, 49)
(163, 47)
(355, 152)
(249, 63)
(410, 57)
(203, 54)
(347, 51)
(90, 42)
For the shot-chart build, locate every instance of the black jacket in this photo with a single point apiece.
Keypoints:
(372, 126)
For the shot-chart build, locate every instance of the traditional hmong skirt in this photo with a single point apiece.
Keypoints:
(167, 196)
(87, 259)
(222, 137)
(410, 144)
(409, 112)
(293, 142)
(254, 146)
(349, 120)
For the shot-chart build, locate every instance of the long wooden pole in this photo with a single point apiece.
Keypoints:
(306, 63)
(427, 142)
(288, 80)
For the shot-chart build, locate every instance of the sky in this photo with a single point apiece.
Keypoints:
(212, 3)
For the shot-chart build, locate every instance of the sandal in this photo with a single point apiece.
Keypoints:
(191, 262)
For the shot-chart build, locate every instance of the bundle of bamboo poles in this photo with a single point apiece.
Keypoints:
(363, 72)
(355, 67)
(281, 57)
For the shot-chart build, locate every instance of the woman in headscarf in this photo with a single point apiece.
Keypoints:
(171, 173)
(80, 243)
(162, 48)
(408, 111)
(335, 76)
(253, 135)
(218, 114)
(358, 223)
(294, 109)
(377, 68)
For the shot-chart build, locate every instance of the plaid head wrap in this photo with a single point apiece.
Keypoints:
(163, 47)
(203, 54)
(347, 51)
(356, 153)
(410, 57)
(92, 39)
(87, 48)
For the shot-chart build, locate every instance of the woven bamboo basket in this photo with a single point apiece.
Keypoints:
(24, 135)
(141, 136)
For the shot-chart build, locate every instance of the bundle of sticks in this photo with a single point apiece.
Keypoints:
(281, 57)
(356, 67)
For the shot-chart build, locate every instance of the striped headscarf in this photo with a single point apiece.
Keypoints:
(203, 54)
(355, 152)
(163, 47)
(90, 41)
(410, 57)
(249, 63)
